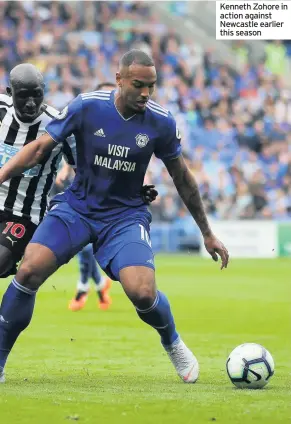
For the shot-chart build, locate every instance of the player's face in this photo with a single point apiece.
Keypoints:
(137, 86)
(27, 99)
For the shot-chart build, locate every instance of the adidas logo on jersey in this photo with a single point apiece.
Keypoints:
(100, 133)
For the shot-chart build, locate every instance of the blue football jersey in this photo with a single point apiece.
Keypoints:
(113, 153)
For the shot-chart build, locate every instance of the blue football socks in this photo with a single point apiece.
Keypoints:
(15, 315)
(159, 316)
(88, 266)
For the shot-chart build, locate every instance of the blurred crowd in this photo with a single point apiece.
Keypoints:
(235, 126)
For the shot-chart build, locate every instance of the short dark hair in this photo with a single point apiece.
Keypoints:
(25, 72)
(136, 56)
(103, 84)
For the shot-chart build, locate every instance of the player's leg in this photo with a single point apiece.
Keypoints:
(102, 285)
(18, 301)
(85, 259)
(151, 305)
(133, 266)
(52, 245)
(15, 234)
(89, 269)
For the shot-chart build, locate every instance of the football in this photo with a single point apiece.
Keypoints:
(250, 366)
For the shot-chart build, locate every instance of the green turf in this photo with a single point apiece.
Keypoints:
(108, 367)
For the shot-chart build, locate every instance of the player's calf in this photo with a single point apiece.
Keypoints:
(153, 308)
(151, 305)
(15, 315)
(18, 301)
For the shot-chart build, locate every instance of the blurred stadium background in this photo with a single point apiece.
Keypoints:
(232, 101)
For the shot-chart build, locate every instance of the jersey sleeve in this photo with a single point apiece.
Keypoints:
(67, 122)
(169, 144)
(70, 151)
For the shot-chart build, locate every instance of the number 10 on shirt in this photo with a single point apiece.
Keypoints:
(144, 235)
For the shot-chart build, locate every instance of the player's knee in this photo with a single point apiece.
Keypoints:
(28, 276)
(144, 294)
(38, 264)
(139, 285)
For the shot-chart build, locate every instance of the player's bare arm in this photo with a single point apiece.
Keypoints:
(29, 156)
(188, 190)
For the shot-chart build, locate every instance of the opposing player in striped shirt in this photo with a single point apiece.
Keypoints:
(23, 199)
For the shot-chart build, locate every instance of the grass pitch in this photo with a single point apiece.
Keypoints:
(108, 367)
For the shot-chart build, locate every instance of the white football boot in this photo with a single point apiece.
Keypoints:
(184, 361)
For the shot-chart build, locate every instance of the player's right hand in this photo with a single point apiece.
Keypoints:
(215, 247)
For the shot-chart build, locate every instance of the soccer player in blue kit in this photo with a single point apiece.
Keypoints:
(116, 134)
(87, 263)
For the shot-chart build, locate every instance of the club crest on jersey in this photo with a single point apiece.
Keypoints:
(142, 140)
(63, 113)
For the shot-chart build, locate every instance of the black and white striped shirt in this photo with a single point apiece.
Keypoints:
(27, 195)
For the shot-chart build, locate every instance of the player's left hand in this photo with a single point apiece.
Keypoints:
(148, 193)
(214, 247)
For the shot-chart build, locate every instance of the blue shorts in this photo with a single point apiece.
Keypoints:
(117, 244)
